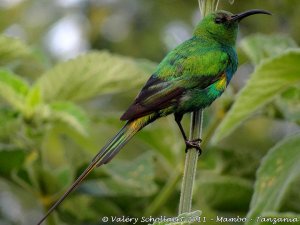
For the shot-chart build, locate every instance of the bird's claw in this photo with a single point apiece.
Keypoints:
(193, 144)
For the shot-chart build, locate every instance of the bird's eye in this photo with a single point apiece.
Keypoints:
(219, 20)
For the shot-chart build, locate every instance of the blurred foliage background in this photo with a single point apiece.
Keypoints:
(69, 68)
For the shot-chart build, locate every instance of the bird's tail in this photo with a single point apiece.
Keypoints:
(105, 155)
(113, 147)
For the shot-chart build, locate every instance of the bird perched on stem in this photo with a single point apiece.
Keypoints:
(189, 78)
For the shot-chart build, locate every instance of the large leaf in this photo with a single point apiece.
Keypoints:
(32, 102)
(8, 123)
(134, 178)
(13, 89)
(12, 49)
(274, 177)
(53, 150)
(90, 75)
(82, 202)
(291, 202)
(33, 97)
(11, 160)
(53, 183)
(138, 175)
(289, 104)
(259, 47)
(69, 114)
(226, 193)
(269, 79)
(91, 209)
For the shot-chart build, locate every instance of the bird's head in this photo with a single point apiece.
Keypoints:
(223, 26)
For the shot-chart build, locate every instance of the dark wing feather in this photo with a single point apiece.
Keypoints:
(158, 94)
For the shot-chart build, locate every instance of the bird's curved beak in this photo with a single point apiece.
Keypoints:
(240, 16)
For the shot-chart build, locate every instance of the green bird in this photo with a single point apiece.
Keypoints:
(189, 78)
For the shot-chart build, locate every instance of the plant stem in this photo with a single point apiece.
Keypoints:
(185, 204)
(191, 159)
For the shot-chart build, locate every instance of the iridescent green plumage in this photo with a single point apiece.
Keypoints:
(189, 78)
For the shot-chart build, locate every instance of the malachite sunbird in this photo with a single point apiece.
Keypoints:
(189, 78)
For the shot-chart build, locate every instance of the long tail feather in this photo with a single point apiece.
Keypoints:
(105, 155)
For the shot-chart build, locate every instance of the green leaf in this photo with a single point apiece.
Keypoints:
(53, 183)
(182, 219)
(32, 101)
(8, 123)
(259, 47)
(269, 80)
(69, 114)
(274, 177)
(289, 104)
(91, 75)
(137, 176)
(13, 89)
(34, 97)
(12, 49)
(291, 202)
(70, 207)
(226, 193)
(133, 178)
(11, 160)
(53, 150)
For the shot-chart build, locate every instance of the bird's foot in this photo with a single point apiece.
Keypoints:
(193, 144)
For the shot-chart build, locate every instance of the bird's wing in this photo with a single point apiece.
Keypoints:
(155, 95)
(159, 94)
(175, 75)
